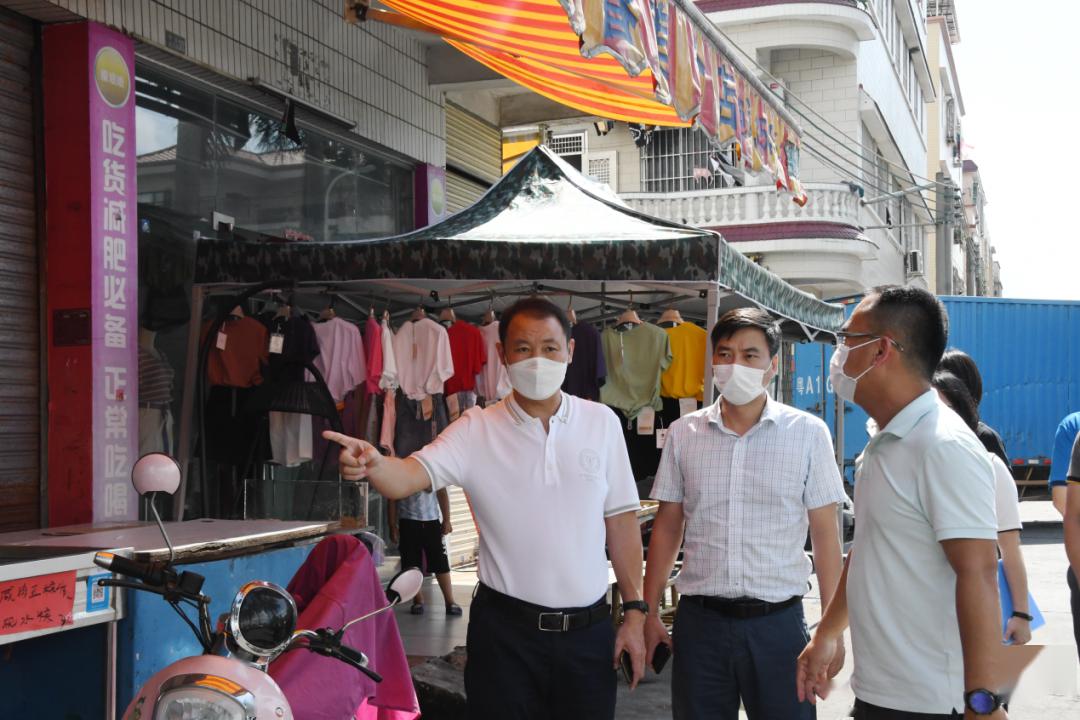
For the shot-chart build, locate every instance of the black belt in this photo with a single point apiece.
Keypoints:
(543, 618)
(741, 608)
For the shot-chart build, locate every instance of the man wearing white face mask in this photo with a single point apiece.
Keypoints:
(920, 586)
(550, 483)
(745, 477)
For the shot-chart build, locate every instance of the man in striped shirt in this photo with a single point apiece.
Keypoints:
(745, 478)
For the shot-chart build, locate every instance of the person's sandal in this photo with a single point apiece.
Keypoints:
(417, 609)
(453, 610)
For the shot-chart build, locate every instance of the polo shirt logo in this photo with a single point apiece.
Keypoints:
(590, 463)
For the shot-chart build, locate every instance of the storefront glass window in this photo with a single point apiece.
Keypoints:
(199, 153)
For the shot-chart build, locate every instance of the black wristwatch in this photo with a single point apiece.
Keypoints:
(982, 702)
(1022, 615)
(639, 605)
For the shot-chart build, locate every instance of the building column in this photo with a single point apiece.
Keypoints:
(91, 272)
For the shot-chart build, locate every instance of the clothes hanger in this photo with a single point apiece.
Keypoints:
(447, 316)
(489, 316)
(571, 314)
(671, 315)
(629, 317)
(236, 313)
(284, 308)
(419, 313)
(328, 311)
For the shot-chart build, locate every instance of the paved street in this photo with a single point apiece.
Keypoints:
(1048, 690)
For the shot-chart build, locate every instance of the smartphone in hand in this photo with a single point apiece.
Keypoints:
(627, 666)
(660, 657)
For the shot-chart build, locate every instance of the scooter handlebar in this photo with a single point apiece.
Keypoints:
(358, 660)
(131, 568)
(326, 642)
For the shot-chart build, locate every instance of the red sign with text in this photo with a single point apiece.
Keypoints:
(37, 603)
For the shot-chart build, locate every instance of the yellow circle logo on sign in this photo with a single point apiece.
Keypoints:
(112, 77)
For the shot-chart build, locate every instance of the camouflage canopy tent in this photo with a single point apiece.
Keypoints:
(544, 228)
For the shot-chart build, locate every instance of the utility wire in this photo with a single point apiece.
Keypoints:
(840, 168)
(819, 154)
(857, 172)
(789, 93)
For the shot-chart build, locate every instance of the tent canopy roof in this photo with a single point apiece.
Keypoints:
(544, 227)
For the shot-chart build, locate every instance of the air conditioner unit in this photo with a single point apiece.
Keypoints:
(914, 262)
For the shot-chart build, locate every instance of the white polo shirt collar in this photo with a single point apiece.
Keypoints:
(524, 419)
(906, 420)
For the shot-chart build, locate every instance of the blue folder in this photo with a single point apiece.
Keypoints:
(1007, 604)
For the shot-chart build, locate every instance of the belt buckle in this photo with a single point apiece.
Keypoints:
(565, 622)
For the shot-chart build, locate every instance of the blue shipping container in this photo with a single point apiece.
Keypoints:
(1028, 352)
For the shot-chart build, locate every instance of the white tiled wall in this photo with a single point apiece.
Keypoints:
(371, 74)
(826, 82)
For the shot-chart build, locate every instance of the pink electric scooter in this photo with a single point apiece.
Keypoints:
(228, 681)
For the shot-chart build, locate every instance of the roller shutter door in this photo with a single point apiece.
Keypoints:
(20, 383)
(473, 157)
(464, 542)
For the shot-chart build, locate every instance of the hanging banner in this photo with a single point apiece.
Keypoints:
(651, 62)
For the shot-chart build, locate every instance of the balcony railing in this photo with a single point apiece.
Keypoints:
(749, 205)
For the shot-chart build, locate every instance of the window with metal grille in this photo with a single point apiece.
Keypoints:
(570, 147)
(601, 167)
(677, 160)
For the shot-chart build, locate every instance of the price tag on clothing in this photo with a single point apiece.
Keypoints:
(277, 343)
(646, 422)
(454, 406)
(661, 438)
(221, 339)
(427, 407)
(687, 406)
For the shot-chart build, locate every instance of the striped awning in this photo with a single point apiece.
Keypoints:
(531, 42)
(653, 62)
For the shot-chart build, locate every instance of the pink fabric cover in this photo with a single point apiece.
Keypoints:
(339, 582)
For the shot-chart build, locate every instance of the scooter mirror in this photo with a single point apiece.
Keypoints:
(155, 472)
(404, 586)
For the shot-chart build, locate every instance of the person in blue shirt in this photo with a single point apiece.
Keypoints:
(1067, 430)
(1060, 477)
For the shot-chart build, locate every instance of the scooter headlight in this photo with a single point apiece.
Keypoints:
(263, 618)
(204, 697)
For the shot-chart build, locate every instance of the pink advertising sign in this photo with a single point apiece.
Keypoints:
(114, 272)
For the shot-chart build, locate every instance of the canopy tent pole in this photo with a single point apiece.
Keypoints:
(712, 314)
(187, 402)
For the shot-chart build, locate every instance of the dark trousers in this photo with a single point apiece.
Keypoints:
(866, 711)
(421, 540)
(719, 660)
(517, 672)
(1074, 600)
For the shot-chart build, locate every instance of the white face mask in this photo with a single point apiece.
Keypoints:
(844, 385)
(739, 384)
(537, 378)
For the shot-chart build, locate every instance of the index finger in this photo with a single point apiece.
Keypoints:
(339, 438)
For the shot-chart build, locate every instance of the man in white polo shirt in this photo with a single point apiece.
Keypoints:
(920, 586)
(746, 477)
(550, 484)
